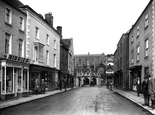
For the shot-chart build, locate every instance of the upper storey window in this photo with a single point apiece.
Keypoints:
(146, 21)
(8, 15)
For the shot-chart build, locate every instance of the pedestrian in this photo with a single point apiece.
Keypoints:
(60, 84)
(107, 84)
(145, 90)
(65, 84)
(43, 85)
(151, 85)
(36, 85)
(138, 86)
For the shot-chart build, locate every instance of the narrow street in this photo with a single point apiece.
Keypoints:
(81, 101)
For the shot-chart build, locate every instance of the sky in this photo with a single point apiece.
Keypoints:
(96, 26)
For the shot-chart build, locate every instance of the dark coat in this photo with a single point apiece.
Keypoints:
(145, 85)
(151, 89)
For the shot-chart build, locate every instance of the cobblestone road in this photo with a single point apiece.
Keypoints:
(81, 101)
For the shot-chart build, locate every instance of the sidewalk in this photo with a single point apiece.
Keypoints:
(9, 103)
(134, 98)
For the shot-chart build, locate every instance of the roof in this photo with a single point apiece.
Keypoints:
(41, 17)
(15, 4)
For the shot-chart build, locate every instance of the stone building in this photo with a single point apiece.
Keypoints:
(121, 66)
(142, 45)
(14, 65)
(42, 47)
(90, 67)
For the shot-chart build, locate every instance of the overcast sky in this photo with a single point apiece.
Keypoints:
(95, 25)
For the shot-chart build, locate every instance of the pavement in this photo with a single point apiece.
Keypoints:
(17, 101)
(131, 95)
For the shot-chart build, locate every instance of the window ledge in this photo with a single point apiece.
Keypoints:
(8, 24)
(22, 31)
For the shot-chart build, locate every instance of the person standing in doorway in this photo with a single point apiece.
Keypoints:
(138, 86)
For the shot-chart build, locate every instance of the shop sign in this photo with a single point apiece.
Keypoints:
(17, 58)
(14, 65)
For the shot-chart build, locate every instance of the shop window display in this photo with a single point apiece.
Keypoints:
(25, 84)
(9, 80)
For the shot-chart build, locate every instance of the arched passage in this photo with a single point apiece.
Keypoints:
(86, 81)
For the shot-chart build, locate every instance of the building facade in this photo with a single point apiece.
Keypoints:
(64, 74)
(141, 45)
(14, 71)
(121, 69)
(69, 43)
(42, 47)
(90, 67)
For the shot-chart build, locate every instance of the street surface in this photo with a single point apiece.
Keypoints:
(81, 101)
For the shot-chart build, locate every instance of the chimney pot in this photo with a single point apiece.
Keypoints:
(49, 18)
(59, 29)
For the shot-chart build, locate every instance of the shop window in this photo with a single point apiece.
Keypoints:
(19, 80)
(3, 79)
(146, 71)
(25, 80)
(9, 80)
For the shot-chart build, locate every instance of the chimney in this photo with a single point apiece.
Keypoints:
(49, 18)
(59, 29)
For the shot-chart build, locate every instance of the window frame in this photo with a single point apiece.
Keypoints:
(47, 57)
(138, 53)
(37, 32)
(146, 23)
(10, 16)
(54, 60)
(10, 43)
(47, 39)
(146, 47)
(54, 44)
(22, 48)
(137, 31)
(21, 24)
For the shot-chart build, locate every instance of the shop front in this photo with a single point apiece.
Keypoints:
(50, 76)
(14, 77)
(135, 72)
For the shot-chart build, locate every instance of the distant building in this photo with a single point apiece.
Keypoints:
(69, 43)
(121, 63)
(90, 67)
